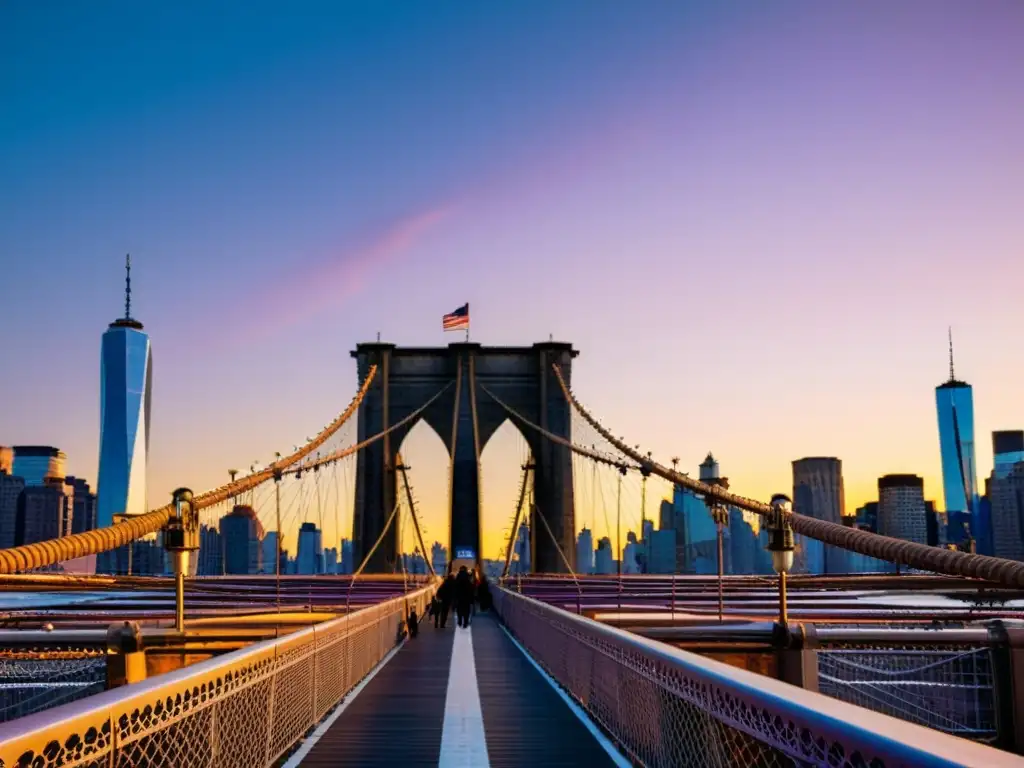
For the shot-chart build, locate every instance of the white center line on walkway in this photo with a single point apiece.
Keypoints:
(463, 742)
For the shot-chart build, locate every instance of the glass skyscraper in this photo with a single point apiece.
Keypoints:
(954, 402)
(126, 383)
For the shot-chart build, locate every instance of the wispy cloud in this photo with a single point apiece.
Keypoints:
(314, 286)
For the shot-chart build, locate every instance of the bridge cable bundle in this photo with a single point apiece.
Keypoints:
(922, 556)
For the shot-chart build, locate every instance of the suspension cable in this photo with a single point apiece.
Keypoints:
(43, 553)
(582, 451)
(369, 554)
(568, 565)
(920, 556)
(515, 522)
(343, 452)
(412, 511)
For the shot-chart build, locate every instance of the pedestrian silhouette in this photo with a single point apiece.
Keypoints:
(463, 596)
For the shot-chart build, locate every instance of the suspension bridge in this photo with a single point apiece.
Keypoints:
(276, 669)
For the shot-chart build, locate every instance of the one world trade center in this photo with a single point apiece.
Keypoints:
(126, 381)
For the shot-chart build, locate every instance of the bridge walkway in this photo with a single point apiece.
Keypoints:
(456, 697)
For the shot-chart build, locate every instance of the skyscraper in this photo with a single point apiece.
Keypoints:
(269, 564)
(604, 557)
(1007, 494)
(84, 517)
(242, 537)
(35, 463)
(44, 512)
(10, 491)
(310, 556)
(902, 513)
(954, 403)
(126, 381)
(585, 551)
(1007, 449)
(818, 493)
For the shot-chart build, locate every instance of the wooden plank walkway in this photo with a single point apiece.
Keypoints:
(525, 719)
(399, 717)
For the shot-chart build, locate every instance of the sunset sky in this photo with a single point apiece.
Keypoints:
(754, 220)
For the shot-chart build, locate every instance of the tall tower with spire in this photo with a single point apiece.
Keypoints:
(954, 402)
(126, 383)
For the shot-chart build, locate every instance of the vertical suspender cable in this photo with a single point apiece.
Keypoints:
(476, 454)
(451, 456)
(515, 522)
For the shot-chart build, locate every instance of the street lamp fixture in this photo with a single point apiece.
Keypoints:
(181, 538)
(780, 544)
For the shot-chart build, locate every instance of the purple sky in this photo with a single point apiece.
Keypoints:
(755, 223)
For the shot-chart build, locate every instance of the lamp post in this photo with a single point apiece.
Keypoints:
(181, 538)
(780, 544)
(720, 516)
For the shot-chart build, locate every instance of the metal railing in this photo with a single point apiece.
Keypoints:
(29, 685)
(668, 707)
(246, 708)
(952, 690)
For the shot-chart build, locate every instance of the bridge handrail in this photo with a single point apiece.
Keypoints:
(245, 708)
(666, 706)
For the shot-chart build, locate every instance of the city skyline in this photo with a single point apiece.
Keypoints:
(841, 252)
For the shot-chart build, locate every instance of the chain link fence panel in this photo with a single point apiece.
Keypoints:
(244, 709)
(668, 708)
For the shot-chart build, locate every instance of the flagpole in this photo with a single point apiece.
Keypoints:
(467, 321)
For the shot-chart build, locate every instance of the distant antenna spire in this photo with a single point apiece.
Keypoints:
(128, 286)
(951, 376)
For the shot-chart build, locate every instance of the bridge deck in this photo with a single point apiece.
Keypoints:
(458, 697)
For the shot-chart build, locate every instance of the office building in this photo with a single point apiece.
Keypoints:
(84, 517)
(211, 552)
(269, 552)
(309, 558)
(348, 566)
(1007, 450)
(867, 517)
(744, 552)
(242, 538)
(698, 534)
(331, 561)
(126, 383)
(521, 562)
(901, 508)
(630, 552)
(954, 403)
(585, 552)
(11, 487)
(37, 463)
(818, 493)
(6, 460)
(661, 552)
(604, 558)
(44, 512)
(1007, 497)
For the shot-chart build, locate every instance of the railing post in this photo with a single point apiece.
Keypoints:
(1008, 678)
(797, 655)
(126, 656)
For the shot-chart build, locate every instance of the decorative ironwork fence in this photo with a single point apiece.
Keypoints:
(243, 709)
(667, 707)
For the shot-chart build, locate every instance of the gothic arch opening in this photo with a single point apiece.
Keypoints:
(426, 456)
(501, 473)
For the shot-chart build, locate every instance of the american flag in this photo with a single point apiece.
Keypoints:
(457, 320)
